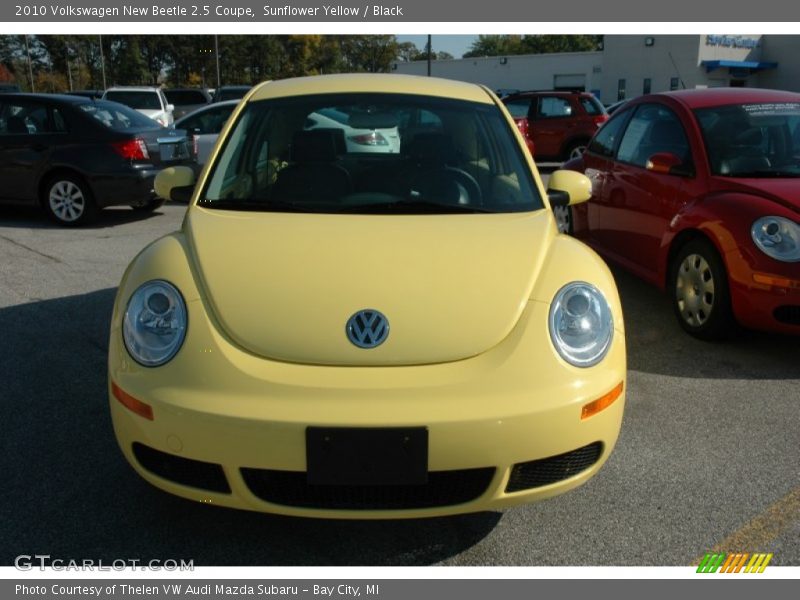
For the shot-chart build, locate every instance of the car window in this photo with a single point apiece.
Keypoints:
(231, 94)
(396, 152)
(21, 117)
(553, 107)
(606, 138)
(117, 116)
(752, 140)
(592, 105)
(141, 100)
(519, 108)
(654, 128)
(184, 97)
(208, 121)
(59, 124)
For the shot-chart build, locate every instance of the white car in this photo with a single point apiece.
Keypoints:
(204, 126)
(362, 132)
(150, 101)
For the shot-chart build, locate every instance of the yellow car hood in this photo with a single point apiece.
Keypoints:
(283, 285)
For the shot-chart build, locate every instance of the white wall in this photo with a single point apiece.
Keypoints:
(784, 50)
(526, 72)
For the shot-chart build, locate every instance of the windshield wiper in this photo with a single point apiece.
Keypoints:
(414, 207)
(255, 205)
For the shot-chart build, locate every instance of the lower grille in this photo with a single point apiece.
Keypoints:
(537, 473)
(444, 488)
(789, 314)
(194, 473)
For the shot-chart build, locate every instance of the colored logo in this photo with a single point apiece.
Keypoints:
(739, 562)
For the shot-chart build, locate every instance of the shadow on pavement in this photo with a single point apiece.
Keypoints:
(657, 344)
(26, 217)
(69, 493)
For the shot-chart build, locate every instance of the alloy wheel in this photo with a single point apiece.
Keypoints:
(67, 201)
(694, 290)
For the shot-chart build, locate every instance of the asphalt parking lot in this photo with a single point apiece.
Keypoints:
(708, 458)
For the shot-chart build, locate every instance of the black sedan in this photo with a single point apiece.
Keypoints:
(74, 155)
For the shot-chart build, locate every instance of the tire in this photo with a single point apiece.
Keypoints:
(68, 200)
(149, 206)
(563, 216)
(700, 292)
(575, 149)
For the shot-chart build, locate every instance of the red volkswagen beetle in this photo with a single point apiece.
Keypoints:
(698, 192)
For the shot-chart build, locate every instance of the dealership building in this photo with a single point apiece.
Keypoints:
(631, 65)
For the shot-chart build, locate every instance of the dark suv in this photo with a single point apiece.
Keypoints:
(560, 124)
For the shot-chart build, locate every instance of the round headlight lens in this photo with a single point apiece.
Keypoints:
(581, 324)
(154, 324)
(778, 238)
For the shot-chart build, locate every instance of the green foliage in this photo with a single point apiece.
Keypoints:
(502, 45)
(64, 62)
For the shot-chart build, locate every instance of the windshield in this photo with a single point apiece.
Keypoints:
(371, 153)
(752, 140)
(138, 100)
(117, 116)
(185, 97)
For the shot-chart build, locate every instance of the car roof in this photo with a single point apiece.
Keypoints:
(63, 98)
(132, 88)
(701, 98)
(371, 82)
(549, 93)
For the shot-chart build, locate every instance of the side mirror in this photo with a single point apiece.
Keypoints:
(175, 183)
(170, 107)
(668, 164)
(567, 188)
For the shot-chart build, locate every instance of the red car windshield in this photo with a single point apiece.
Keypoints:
(752, 140)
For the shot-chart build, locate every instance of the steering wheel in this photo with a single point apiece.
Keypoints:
(446, 185)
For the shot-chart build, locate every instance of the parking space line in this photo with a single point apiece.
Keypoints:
(757, 533)
(29, 249)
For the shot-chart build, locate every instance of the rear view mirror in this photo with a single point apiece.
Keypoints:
(175, 183)
(567, 188)
(668, 164)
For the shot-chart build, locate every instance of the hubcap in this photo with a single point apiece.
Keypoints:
(563, 217)
(577, 151)
(67, 201)
(694, 290)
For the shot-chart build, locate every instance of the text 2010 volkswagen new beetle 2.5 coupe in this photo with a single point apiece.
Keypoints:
(346, 334)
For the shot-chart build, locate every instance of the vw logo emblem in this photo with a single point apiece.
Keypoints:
(367, 328)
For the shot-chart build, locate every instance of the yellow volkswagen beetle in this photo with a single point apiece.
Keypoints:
(342, 332)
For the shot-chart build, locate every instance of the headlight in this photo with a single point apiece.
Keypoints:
(778, 238)
(581, 325)
(155, 323)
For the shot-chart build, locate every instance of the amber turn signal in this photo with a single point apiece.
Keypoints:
(595, 406)
(131, 403)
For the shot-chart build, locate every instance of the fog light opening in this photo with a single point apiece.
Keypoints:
(131, 403)
(602, 403)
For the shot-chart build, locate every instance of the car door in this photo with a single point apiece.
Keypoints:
(643, 200)
(27, 138)
(593, 220)
(551, 125)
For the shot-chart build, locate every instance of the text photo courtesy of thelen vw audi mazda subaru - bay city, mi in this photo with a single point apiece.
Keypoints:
(373, 304)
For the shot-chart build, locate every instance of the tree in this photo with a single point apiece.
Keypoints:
(544, 44)
(370, 53)
(495, 45)
(500, 45)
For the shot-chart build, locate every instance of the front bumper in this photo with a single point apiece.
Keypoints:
(765, 293)
(516, 403)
